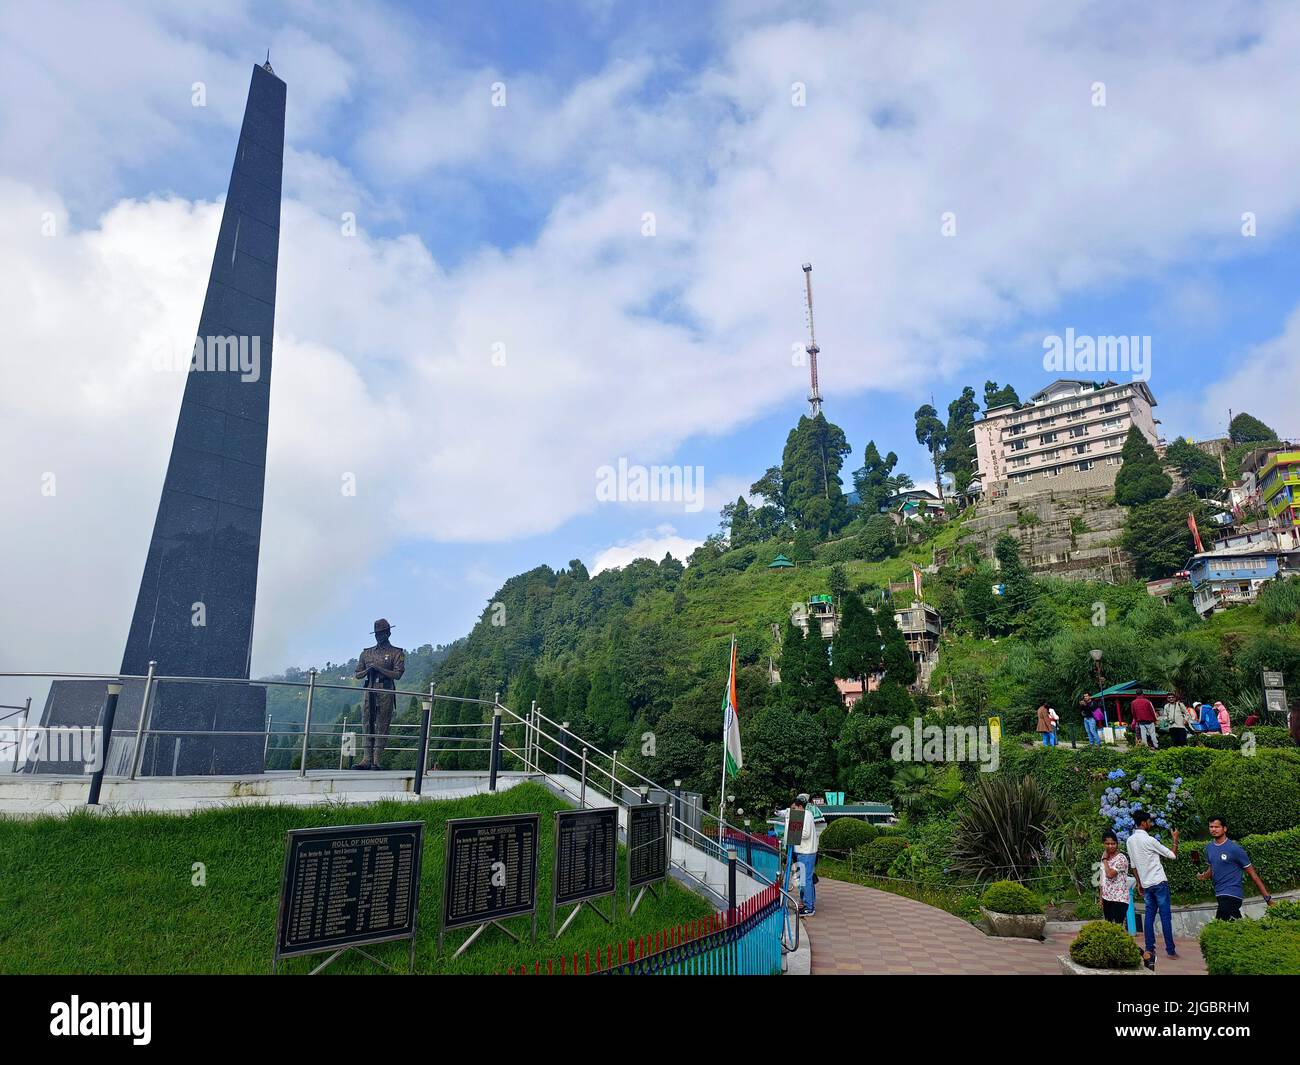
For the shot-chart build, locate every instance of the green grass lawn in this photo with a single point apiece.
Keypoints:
(113, 894)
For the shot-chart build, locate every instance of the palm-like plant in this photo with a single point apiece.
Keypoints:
(1002, 831)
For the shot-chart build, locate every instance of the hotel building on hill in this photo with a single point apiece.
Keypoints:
(1068, 436)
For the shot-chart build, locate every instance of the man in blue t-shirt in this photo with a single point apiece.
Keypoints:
(1225, 862)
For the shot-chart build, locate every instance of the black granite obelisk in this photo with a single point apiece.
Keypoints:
(194, 612)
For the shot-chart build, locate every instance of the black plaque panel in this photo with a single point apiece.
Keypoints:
(647, 843)
(349, 885)
(586, 854)
(480, 848)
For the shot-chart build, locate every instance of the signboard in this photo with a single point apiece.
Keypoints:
(1275, 700)
(1273, 679)
(647, 844)
(794, 827)
(586, 854)
(490, 871)
(995, 730)
(349, 885)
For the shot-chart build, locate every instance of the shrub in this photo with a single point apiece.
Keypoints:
(1102, 945)
(1276, 858)
(1285, 913)
(877, 856)
(1258, 794)
(1270, 736)
(1002, 831)
(1217, 741)
(1006, 896)
(845, 834)
(1250, 948)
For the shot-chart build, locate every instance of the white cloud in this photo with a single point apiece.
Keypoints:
(614, 343)
(652, 545)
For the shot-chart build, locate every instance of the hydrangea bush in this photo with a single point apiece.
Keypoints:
(1163, 798)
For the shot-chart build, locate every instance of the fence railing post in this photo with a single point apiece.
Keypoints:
(106, 739)
(306, 721)
(613, 778)
(426, 717)
(582, 792)
(531, 745)
(494, 759)
(138, 753)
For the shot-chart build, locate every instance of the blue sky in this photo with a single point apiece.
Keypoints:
(755, 136)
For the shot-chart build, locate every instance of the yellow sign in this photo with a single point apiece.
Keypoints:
(995, 730)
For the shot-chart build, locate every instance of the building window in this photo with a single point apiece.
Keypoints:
(1084, 467)
(1047, 438)
(1081, 449)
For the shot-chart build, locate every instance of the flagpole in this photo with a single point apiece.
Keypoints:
(722, 793)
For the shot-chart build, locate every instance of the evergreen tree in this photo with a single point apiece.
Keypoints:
(876, 541)
(738, 523)
(999, 397)
(812, 495)
(896, 656)
(839, 583)
(856, 648)
(1199, 470)
(1157, 536)
(959, 444)
(930, 435)
(1245, 429)
(1013, 574)
(873, 481)
(1141, 478)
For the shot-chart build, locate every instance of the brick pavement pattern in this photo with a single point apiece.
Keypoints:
(859, 930)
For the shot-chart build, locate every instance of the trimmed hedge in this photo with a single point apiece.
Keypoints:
(1270, 736)
(1102, 945)
(877, 856)
(845, 834)
(1217, 741)
(1251, 948)
(1258, 794)
(1006, 896)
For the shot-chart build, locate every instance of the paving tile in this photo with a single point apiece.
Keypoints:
(861, 930)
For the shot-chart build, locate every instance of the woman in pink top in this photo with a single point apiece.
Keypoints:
(1225, 722)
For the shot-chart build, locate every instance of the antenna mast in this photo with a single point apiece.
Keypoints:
(814, 394)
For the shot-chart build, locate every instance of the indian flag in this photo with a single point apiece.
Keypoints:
(732, 758)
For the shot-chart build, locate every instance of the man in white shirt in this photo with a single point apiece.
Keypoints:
(805, 853)
(1144, 854)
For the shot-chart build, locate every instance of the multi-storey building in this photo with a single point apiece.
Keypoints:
(1067, 436)
(1279, 487)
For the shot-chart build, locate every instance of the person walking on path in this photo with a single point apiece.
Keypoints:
(805, 853)
(1144, 854)
(1044, 726)
(1225, 861)
(1089, 719)
(1114, 880)
(1144, 716)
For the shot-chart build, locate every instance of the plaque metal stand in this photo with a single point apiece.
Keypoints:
(482, 927)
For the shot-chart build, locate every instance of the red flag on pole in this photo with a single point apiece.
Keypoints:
(1196, 533)
(916, 579)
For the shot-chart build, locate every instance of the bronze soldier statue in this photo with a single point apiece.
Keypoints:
(381, 666)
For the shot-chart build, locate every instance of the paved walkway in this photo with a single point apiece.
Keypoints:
(859, 930)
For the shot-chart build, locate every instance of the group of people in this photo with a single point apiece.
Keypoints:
(1175, 719)
(1142, 870)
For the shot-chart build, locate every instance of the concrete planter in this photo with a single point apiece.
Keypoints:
(1015, 925)
(1070, 967)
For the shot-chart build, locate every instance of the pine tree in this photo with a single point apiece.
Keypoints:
(812, 495)
(1141, 478)
(959, 449)
(930, 435)
(856, 648)
(896, 656)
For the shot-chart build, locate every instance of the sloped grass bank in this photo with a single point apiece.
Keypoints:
(114, 894)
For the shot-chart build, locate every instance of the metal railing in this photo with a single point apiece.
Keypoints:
(539, 732)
